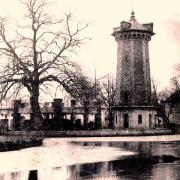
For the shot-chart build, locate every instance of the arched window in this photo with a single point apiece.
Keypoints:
(139, 119)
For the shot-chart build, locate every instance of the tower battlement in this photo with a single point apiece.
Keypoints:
(133, 26)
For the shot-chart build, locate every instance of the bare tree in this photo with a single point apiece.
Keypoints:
(86, 89)
(168, 98)
(171, 96)
(109, 91)
(175, 83)
(175, 80)
(39, 55)
(108, 95)
(155, 94)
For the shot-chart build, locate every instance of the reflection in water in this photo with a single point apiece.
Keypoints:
(155, 160)
(15, 176)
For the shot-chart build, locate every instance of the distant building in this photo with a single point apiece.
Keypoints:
(55, 115)
(134, 107)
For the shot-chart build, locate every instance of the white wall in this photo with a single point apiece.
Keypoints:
(133, 118)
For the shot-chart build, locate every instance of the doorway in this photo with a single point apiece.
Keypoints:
(126, 121)
(150, 121)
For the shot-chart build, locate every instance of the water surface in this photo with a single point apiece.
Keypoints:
(95, 158)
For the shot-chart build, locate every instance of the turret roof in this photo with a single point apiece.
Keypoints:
(136, 25)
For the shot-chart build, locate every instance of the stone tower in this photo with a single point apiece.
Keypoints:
(133, 83)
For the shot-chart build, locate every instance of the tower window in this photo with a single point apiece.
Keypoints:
(139, 119)
(149, 99)
(126, 59)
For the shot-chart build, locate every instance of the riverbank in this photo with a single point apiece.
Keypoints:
(16, 142)
(93, 133)
(108, 133)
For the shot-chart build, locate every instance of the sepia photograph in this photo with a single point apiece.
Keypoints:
(89, 90)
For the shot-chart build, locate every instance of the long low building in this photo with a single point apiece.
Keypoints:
(56, 116)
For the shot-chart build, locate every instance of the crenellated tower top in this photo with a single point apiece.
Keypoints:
(133, 29)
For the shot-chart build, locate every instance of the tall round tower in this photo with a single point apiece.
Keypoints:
(133, 82)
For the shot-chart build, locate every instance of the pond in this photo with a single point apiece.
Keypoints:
(153, 157)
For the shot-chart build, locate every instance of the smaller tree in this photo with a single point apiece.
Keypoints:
(168, 98)
(85, 89)
(163, 97)
(108, 95)
(175, 83)
(155, 94)
(172, 96)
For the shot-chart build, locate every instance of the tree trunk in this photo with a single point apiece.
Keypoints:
(110, 117)
(86, 113)
(36, 116)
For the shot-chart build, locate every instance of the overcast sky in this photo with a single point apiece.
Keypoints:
(103, 15)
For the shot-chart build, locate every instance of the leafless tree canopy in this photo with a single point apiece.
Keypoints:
(108, 94)
(107, 91)
(40, 54)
